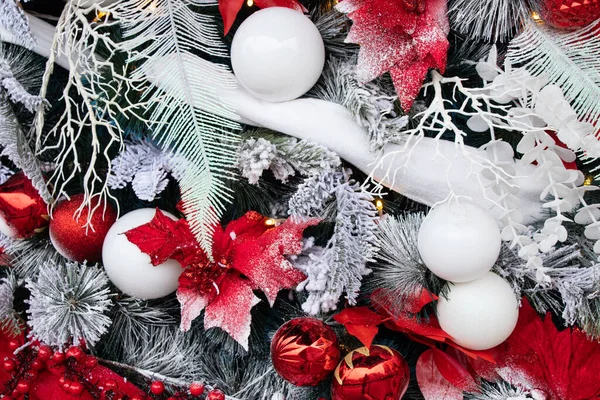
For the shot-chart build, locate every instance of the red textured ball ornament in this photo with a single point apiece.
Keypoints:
(569, 14)
(69, 234)
(22, 211)
(304, 351)
(378, 373)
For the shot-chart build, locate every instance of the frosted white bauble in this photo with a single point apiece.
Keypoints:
(479, 314)
(131, 270)
(277, 54)
(459, 242)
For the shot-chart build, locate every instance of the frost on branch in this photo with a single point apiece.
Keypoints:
(373, 104)
(27, 256)
(145, 166)
(89, 121)
(68, 304)
(284, 156)
(338, 268)
(9, 321)
(13, 19)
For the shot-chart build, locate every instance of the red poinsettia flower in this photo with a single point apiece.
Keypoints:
(404, 37)
(229, 9)
(248, 255)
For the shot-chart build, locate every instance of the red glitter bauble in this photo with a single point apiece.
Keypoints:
(569, 14)
(69, 234)
(304, 351)
(22, 211)
(196, 389)
(378, 373)
(215, 394)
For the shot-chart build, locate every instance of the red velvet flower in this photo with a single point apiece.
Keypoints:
(404, 37)
(229, 9)
(248, 255)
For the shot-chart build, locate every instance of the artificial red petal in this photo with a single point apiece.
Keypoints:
(360, 322)
(432, 383)
(163, 238)
(293, 4)
(229, 10)
(454, 372)
(404, 40)
(538, 356)
(192, 303)
(230, 310)
(263, 259)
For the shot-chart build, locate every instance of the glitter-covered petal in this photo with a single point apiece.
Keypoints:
(192, 304)
(230, 310)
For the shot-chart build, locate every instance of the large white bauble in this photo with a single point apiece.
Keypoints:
(459, 242)
(277, 54)
(131, 270)
(479, 314)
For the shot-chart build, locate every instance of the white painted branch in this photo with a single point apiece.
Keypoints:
(427, 178)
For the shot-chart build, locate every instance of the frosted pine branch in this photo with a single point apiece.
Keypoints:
(13, 19)
(9, 318)
(373, 104)
(68, 304)
(27, 256)
(338, 268)
(143, 165)
(284, 156)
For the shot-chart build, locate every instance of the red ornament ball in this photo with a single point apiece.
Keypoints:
(215, 394)
(9, 365)
(22, 211)
(304, 351)
(196, 389)
(44, 353)
(23, 387)
(76, 388)
(569, 14)
(69, 234)
(13, 344)
(58, 357)
(75, 352)
(378, 373)
(157, 387)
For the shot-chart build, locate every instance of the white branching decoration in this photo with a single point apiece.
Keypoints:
(338, 268)
(99, 86)
(571, 60)
(164, 34)
(13, 19)
(145, 166)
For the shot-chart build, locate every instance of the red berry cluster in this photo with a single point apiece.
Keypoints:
(195, 391)
(24, 368)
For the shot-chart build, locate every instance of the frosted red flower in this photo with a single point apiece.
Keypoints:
(247, 255)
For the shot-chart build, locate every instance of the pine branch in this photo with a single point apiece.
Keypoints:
(68, 304)
(13, 19)
(9, 318)
(27, 256)
(164, 35)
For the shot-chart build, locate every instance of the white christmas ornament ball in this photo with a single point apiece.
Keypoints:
(479, 314)
(277, 54)
(131, 270)
(459, 242)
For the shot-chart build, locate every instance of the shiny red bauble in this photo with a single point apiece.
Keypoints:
(44, 353)
(196, 389)
(13, 345)
(75, 352)
(22, 211)
(377, 373)
(70, 234)
(569, 14)
(76, 388)
(58, 357)
(215, 394)
(23, 387)
(9, 365)
(157, 387)
(304, 351)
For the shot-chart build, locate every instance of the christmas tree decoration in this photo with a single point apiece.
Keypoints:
(377, 373)
(230, 8)
(22, 210)
(132, 271)
(78, 231)
(458, 241)
(569, 14)
(479, 314)
(277, 54)
(398, 37)
(305, 351)
(249, 253)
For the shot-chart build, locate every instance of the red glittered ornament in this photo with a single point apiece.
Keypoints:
(378, 373)
(569, 14)
(304, 351)
(22, 211)
(70, 235)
